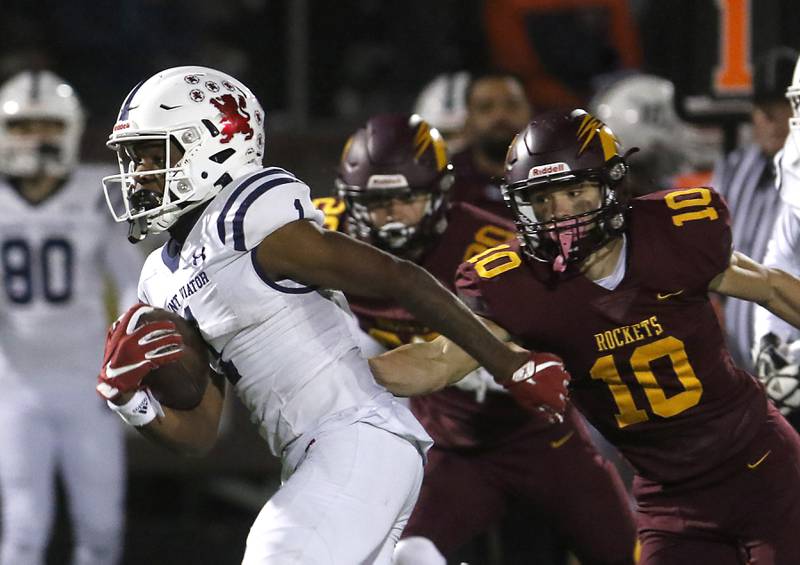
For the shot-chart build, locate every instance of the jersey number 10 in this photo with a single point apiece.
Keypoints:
(605, 369)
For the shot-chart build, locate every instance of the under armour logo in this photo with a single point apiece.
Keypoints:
(198, 256)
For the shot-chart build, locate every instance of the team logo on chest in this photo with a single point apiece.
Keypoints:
(194, 284)
(198, 257)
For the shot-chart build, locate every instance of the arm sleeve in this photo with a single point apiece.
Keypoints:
(783, 252)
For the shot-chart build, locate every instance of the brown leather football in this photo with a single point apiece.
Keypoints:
(182, 383)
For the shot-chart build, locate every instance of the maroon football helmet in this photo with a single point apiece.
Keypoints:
(395, 156)
(559, 149)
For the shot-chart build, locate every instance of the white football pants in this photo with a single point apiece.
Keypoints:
(74, 434)
(346, 503)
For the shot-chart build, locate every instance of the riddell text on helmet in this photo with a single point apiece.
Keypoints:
(548, 169)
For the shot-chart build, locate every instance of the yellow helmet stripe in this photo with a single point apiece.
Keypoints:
(587, 130)
(346, 149)
(439, 150)
(608, 142)
(590, 126)
(427, 136)
(422, 139)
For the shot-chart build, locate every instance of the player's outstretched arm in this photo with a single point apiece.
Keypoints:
(304, 252)
(428, 366)
(774, 289)
(421, 368)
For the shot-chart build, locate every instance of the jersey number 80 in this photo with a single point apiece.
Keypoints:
(26, 268)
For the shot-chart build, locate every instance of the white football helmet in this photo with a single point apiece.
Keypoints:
(217, 122)
(39, 95)
(640, 110)
(442, 102)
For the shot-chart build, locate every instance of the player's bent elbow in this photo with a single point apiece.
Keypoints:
(198, 444)
(192, 432)
(203, 439)
(198, 449)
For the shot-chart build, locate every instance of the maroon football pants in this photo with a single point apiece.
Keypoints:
(558, 470)
(751, 516)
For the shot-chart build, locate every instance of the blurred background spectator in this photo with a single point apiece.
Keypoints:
(746, 177)
(320, 69)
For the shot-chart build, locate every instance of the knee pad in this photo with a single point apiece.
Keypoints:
(417, 550)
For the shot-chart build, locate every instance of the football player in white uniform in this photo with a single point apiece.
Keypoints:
(777, 346)
(443, 104)
(57, 248)
(249, 262)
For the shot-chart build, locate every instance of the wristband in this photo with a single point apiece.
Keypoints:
(140, 410)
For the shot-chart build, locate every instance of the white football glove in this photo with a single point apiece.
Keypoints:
(778, 367)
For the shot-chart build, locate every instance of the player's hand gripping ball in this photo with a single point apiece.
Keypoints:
(155, 348)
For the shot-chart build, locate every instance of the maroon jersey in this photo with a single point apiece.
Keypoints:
(475, 187)
(648, 360)
(452, 416)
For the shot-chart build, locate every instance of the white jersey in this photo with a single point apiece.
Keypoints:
(288, 349)
(783, 252)
(783, 249)
(55, 259)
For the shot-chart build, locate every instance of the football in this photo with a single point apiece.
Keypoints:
(182, 383)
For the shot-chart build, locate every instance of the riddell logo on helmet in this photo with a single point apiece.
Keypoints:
(234, 118)
(387, 181)
(548, 169)
(123, 125)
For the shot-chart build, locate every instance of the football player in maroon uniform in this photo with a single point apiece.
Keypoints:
(394, 178)
(620, 291)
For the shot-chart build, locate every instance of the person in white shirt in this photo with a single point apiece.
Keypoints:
(776, 349)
